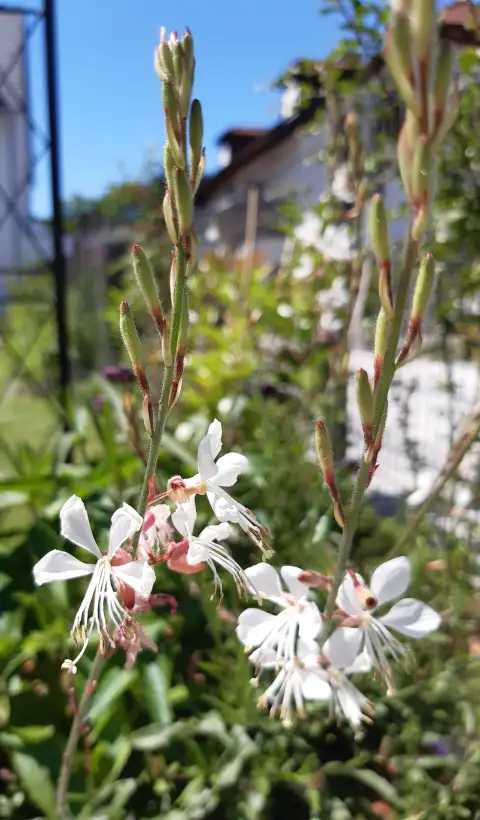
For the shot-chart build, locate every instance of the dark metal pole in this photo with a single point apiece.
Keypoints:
(59, 262)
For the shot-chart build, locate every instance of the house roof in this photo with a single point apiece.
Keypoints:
(459, 23)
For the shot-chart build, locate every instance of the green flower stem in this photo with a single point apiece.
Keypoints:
(380, 404)
(459, 450)
(163, 405)
(61, 801)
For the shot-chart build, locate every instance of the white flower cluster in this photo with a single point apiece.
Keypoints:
(307, 668)
(307, 662)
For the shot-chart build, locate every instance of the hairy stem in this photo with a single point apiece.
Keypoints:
(381, 398)
(459, 449)
(72, 742)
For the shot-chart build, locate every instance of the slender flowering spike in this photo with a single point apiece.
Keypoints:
(410, 617)
(213, 476)
(148, 286)
(204, 549)
(100, 609)
(365, 403)
(381, 329)
(278, 633)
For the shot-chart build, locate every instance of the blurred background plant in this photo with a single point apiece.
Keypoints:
(179, 736)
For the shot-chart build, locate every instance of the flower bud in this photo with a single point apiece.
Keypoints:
(173, 275)
(419, 223)
(324, 447)
(129, 334)
(164, 60)
(421, 171)
(188, 51)
(178, 59)
(169, 220)
(169, 102)
(441, 84)
(381, 330)
(379, 230)
(147, 414)
(404, 156)
(183, 201)
(365, 403)
(196, 135)
(200, 170)
(422, 27)
(147, 284)
(423, 286)
(399, 59)
(175, 148)
(450, 114)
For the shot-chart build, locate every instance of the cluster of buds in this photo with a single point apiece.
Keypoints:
(422, 68)
(183, 167)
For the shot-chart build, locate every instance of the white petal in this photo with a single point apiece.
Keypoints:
(308, 653)
(314, 684)
(215, 433)
(76, 527)
(309, 622)
(361, 664)
(216, 532)
(265, 582)
(342, 647)
(183, 519)
(125, 522)
(229, 467)
(225, 509)
(254, 626)
(390, 579)
(347, 598)
(266, 658)
(197, 552)
(137, 574)
(412, 618)
(351, 701)
(208, 449)
(59, 566)
(290, 576)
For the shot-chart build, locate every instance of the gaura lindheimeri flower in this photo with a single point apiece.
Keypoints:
(299, 617)
(203, 549)
(294, 682)
(340, 651)
(156, 532)
(212, 477)
(101, 609)
(410, 617)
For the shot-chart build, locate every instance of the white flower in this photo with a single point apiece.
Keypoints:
(410, 617)
(205, 549)
(299, 617)
(213, 476)
(100, 604)
(340, 649)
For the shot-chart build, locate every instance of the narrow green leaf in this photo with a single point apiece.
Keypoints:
(35, 779)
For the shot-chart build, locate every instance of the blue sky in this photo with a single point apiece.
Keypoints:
(110, 97)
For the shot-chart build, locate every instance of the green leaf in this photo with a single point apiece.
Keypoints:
(34, 734)
(35, 779)
(114, 684)
(376, 782)
(156, 693)
(157, 736)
